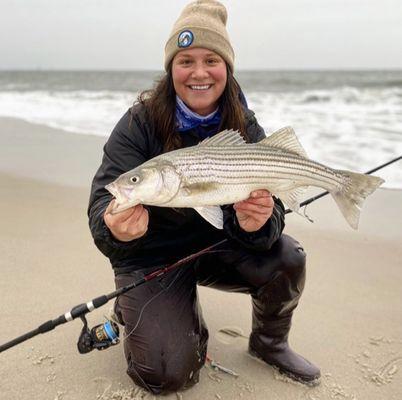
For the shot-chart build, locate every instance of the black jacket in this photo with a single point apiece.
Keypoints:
(172, 233)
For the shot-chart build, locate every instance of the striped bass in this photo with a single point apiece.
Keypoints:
(224, 169)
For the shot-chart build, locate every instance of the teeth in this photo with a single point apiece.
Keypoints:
(200, 87)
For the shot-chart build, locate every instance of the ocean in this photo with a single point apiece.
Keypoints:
(345, 119)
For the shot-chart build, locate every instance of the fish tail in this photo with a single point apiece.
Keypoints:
(352, 195)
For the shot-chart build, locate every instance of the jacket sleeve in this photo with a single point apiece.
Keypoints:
(267, 235)
(126, 148)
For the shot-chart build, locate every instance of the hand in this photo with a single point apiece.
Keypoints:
(129, 224)
(255, 211)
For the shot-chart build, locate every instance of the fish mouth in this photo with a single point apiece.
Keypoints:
(121, 193)
(118, 208)
(122, 196)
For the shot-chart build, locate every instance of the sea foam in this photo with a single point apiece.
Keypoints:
(344, 127)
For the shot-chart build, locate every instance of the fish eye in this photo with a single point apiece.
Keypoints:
(134, 179)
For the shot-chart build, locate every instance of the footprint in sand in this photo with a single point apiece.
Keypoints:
(380, 360)
(230, 334)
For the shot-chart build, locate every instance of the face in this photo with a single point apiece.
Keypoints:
(199, 78)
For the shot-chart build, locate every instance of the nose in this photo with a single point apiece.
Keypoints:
(199, 72)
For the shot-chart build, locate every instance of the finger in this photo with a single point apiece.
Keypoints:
(122, 217)
(257, 200)
(143, 221)
(140, 225)
(131, 213)
(121, 214)
(260, 193)
(241, 215)
(138, 210)
(135, 230)
(254, 218)
(256, 214)
(110, 208)
(264, 201)
(254, 208)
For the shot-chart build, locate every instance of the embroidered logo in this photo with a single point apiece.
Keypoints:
(185, 39)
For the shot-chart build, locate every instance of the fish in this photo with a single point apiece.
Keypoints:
(225, 169)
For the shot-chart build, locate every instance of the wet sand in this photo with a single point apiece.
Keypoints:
(349, 320)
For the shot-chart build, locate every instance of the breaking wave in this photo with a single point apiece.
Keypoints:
(345, 127)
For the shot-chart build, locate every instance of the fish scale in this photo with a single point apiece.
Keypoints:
(243, 163)
(224, 169)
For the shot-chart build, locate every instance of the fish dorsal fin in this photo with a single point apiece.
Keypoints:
(224, 138)
(285, 139)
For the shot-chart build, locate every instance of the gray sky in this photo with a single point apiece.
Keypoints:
(266, 34)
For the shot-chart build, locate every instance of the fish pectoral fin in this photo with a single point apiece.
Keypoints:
(213, 214)
(224, 138)
(285, 139)
(292, 198)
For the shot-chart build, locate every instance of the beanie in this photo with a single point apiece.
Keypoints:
(202, 23)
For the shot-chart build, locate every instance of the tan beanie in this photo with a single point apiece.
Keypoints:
(202, 23)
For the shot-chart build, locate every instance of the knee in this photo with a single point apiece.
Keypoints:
(179, 379)
(286, 258)
(162, 378)
(292, 256)
(163, 372)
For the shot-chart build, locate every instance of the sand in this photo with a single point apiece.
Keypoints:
(349, 321)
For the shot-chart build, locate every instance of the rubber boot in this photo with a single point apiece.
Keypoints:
(273, 306)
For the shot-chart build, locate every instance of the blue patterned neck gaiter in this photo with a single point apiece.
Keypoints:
(187, 119)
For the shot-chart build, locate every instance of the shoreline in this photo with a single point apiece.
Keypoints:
(14, 132)
(47, 154)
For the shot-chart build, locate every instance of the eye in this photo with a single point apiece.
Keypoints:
(212, 61)
(184, 61)
(134, 179)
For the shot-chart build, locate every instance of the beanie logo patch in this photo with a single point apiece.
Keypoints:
(185, 39)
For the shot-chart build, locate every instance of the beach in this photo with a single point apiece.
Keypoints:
(348, 322)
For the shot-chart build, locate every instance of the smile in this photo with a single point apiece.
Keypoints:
(200, 87)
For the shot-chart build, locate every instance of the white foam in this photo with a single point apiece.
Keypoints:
(74, 111)
(346, 128)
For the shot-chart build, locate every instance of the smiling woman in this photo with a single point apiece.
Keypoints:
(199, 79)
(197, 98)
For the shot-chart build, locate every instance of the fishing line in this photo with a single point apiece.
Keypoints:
(305, 214)
(126, 336)
(318, 196)
(148, 302)
(164, 290)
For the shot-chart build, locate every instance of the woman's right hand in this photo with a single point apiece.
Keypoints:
(129, 224)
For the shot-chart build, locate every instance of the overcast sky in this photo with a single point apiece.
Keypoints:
(266, 34)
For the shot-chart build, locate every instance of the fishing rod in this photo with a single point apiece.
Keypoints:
(318, 196)
(105, 335)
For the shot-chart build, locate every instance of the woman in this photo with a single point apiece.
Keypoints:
(166, 338)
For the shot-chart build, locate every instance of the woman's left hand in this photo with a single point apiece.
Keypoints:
(255, 211)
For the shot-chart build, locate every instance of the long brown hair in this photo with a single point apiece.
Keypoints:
(160, 105)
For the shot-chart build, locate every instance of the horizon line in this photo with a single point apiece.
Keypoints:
(385, 69)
